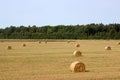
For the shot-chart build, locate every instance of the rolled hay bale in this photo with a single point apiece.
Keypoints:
(77, 66)
(77, 45)
(2, 41)
(24, 45)
(9, 47)
(77, 53)
(118, 43)
(68, 41)
(107, 48)
(45, 42)
(39, 42)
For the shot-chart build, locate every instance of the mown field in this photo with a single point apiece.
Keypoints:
(52, 61)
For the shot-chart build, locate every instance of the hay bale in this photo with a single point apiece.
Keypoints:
(118, 43)
(45, 42)
(39, 42)
(68, 41)
(77, 45)
(77, 67)
(77, 53)
(2, 41)
(9, 47)
(24, 45)
(107, 48)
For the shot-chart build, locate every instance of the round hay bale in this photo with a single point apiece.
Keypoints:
(24, 45)
(45, 42)
(77, 45)
(39, 42)
(2, 41)
(77, 53)
(77, 67)
(107, 48)
(118, 43)
(68, 41)
(9, 47)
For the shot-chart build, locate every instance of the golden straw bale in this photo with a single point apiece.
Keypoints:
(45, 42)
(24, 45)
(39, 42)
(2, 41)
(77, 53)
(77, 67)
(9, 47)
(107, 48)
(77, 45)
(118, 43)
(68, 41)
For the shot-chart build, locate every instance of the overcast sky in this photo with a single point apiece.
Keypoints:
(58, 12)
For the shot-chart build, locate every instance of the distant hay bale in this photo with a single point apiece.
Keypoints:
(39, 42)
(77, 45)
(118, 43)
(77, 67)
(9, 47)
(24, 45)
(2, 41)
(45, 42)
(68, 41)
(77, 53)
(107, 48)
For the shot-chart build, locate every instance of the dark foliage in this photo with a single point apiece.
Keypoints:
(90, 31)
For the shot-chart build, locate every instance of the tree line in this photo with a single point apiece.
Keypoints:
(89, 31)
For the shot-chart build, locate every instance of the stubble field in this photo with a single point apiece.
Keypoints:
(51, 60)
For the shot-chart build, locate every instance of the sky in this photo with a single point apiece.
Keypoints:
(58, 12)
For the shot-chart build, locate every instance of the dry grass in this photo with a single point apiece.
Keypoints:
(52, 61)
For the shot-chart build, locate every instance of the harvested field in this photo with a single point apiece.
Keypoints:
(51, 61)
